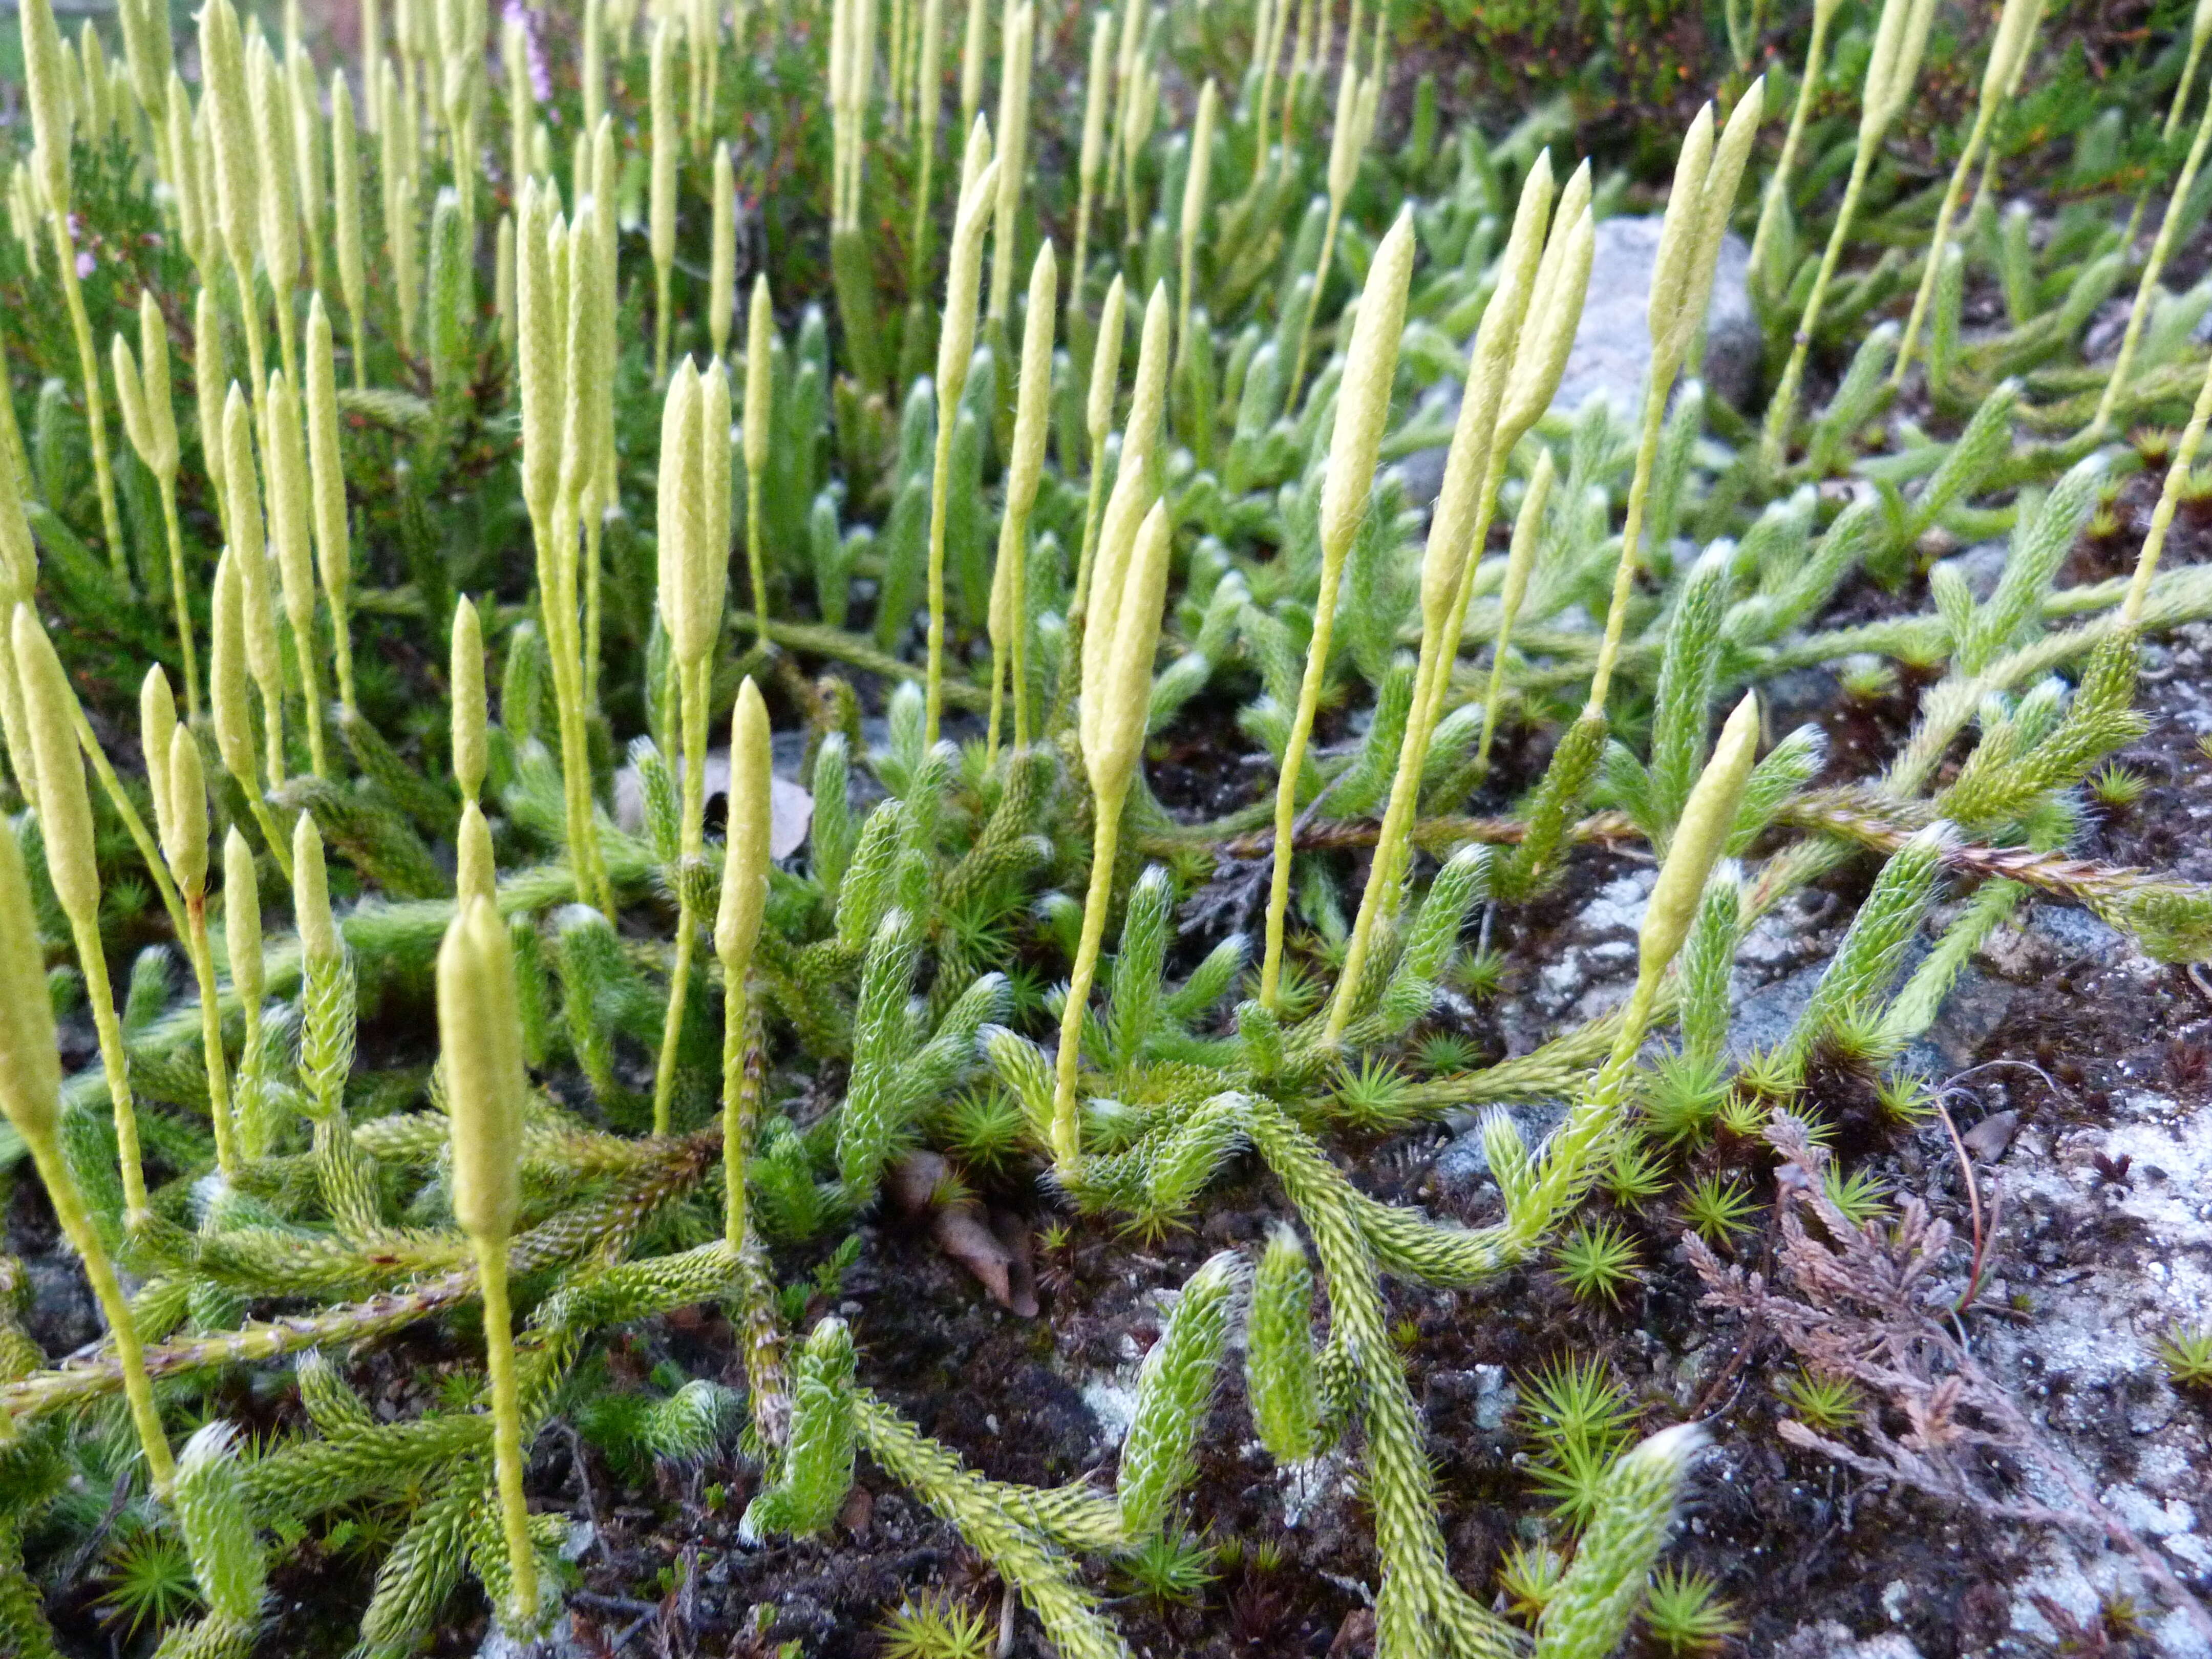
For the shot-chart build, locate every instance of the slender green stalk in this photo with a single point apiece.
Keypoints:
(1097, 899)
(1354, 113)
(202, 951)
(2015, 27)
(95, 413)
(2178, 470)
(1090, 152)
(76, 1225)
(1775, 201)
(1363, 406)
(2200, 31)
(691, 681)
(508, 1459)
(1781, 412)
(1893, 67)
(1521, 560)
(187, 637)
(929, 92)
(956, 340)
(1506, 387)
(1632, 531)
(2160, 248)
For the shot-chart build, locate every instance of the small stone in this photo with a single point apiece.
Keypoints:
(1611, 356)
(1988, 1139)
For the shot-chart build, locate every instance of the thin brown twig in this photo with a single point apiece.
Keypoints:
(1974, 1207)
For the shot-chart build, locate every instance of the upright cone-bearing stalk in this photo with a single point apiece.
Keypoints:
(929, 94)
(722, 252)
(559, 294)
(1136, 486)
(1012, 152)
(466, 686)
(179, 788)
(264, 656)
(1774, 203)
(1009, 614)
(1098, 422)
(242, 940)
(345, 225)
(851, 74)
(662, 226)
(185, 844)
(1519, 560)
(289, 517)
(759, 411)
(1893, 67)
(1572, 1156)
(1519, 368)
(1194, 215)
(150, 420)
(230, 701)
(333, 543)
(65, 821)
(2179, 470)
(1355, 118)
(1362, 407)
(1698, 210)
(276, 219)
(480, 1047)
(2147, 287)
(695, 482)
(2007, 48)
(1267, 47)
(1091, 152)
(1116, 696)
(736, 929)
(30, 1097)
(19, 573)
(45, 72)
(956, 340)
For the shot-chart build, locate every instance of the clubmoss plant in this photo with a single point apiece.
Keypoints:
(2008, 49)
(956, 340)
(52, 119)
(30, 1094)
(1009, 611)
(484, 1087)
(1236, 584)
(150, 420)
(1362, 407)
(1893, 69)
(66, 831)
(1591, 1611)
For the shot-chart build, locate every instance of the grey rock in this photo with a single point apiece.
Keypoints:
(1835, 1641)
(1463, 1166)
(1611, 352)
(561, 1641)
(1767, 1016)
(2076, 933)
(1977, 1006)
(1797, 695)
(1988, 1139)
(1981, 564)
(64, 1316)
